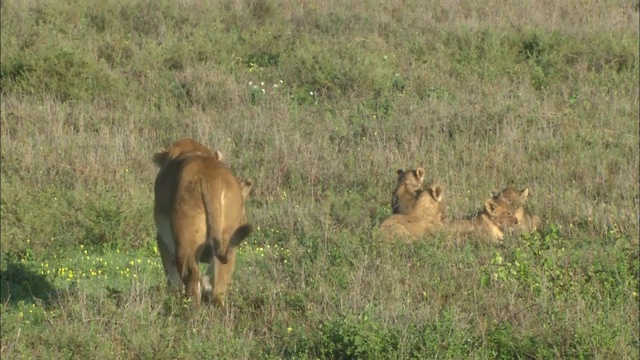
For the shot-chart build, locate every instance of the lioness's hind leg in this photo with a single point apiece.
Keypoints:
(188, 265)
(174, 282)
(207, 288)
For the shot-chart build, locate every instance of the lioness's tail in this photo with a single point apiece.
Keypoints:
(214, 235)
(240, 234)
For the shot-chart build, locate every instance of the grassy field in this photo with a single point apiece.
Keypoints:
(319, 103)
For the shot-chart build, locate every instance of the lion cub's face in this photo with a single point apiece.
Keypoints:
(502, 213)
(409, 184)
(526, 221)
(411, 180)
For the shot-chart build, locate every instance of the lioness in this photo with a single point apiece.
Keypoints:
(526, 221)
(496, 217)
(405, 195)
(424, 218)
(199, 215)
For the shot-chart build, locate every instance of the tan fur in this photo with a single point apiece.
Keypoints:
(526, 222)
(496, 217)
(181, 148)
(423, 219)
(405, 195)
(199, 214)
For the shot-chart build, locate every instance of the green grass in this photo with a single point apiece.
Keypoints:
(319, 103)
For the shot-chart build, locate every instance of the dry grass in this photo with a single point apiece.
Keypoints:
(481, 94)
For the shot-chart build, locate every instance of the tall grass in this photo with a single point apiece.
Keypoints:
(319, 103)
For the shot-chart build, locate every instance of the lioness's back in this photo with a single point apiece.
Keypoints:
(199, 170)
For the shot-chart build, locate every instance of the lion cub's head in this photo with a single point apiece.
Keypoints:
(409, 184)
(526, 221)
(411, 180)
(430, 202)
(435, 195)
(512, 195)
(184, 147)
(502, 213)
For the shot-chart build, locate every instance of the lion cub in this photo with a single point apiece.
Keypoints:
(405, 195)
(526, 222)
(425, 217)
(198, 210)
(496, 217)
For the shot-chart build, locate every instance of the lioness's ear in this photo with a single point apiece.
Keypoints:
(218, 155)
(160, 158)
(245, 187)
(420, 173)
(437, 192)
(524, 193)
(491, 206)
(495, 193)
(399, 172)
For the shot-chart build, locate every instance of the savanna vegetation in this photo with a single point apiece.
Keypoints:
(319, 103)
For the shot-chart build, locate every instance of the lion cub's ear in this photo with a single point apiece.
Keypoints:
(245, 187)
(491, 206)
(218, 155)
(437, 191)
(495, 193)
(420, 172)
(160, 158)
(524, 193)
